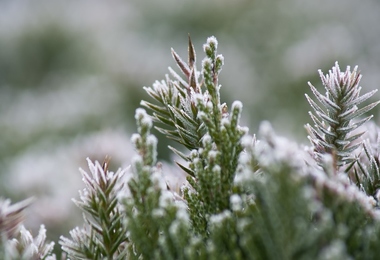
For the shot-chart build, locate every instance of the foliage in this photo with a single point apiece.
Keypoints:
(245, 197)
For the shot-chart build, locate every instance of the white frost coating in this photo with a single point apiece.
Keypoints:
(159, 86)
(206, 62)
(144, 117)
(135, 138)
(147, 121)
(26, 237)
(236, 202)
(237, 105)
(221, 58)
(198, 98)
(244, 129)
(151, 140)
(211, 41)
(140, 112)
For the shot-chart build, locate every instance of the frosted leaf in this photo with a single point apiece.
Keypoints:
(237, 105)
(220, 59)
(152, 140)
(143, 117)
(211, 41)
(135, 138)
(206, 63)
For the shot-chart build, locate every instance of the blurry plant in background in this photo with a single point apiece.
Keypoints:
(71, 76)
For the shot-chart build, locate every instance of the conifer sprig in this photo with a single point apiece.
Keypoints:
(338, 115)
(214, 163)
(104, 233)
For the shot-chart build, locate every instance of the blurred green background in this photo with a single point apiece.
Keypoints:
(72, 72)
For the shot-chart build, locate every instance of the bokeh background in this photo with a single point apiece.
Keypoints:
(72, 72)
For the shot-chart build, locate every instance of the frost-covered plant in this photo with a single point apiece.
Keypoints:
(245, 197)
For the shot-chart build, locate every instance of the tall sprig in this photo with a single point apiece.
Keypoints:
(214, 163)
(338, 115)
(176, 109)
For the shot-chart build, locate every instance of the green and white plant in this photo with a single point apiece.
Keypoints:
(245, 197)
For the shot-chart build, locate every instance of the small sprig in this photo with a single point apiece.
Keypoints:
(15, 241)
(29, 248)
(104, 234)
(338, 116)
